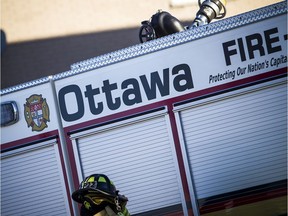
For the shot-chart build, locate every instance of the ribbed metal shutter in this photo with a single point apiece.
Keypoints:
(138, 158)
(237, 142)
(32, 183)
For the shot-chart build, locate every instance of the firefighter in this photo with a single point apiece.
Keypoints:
(99, 197)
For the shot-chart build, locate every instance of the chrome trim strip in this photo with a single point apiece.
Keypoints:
(25, 85)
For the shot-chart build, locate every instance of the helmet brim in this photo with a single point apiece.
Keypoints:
(80, 193)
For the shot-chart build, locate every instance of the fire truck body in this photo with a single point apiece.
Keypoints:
(194, 123)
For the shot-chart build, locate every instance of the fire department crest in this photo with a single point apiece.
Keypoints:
(36, 112)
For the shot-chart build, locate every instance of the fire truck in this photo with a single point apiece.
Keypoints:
(192, 123)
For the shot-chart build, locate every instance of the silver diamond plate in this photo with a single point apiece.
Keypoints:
(25, 85)
(162, 43)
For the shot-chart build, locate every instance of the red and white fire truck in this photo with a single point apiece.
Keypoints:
(194, 123)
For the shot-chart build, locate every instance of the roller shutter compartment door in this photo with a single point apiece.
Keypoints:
(138, 158)
(32, 183)
(238, 142)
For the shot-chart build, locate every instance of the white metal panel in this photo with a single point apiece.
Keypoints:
(238, 142)
(32, 183)
(21, 129)
(139, 158)
(194, 50)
